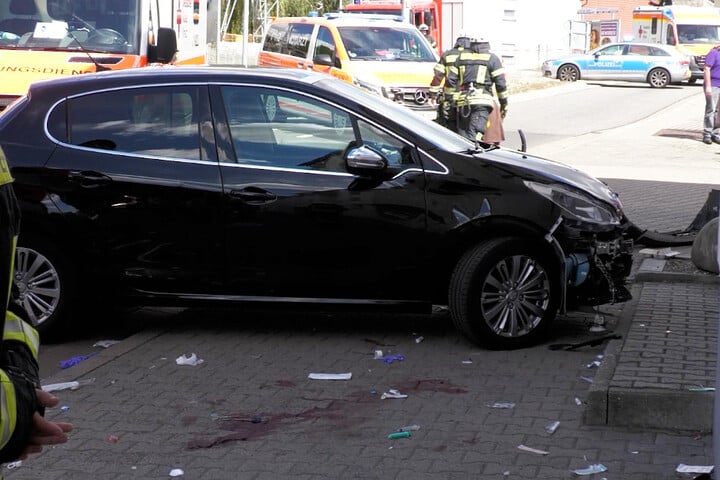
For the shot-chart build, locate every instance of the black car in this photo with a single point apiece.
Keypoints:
(195, 185)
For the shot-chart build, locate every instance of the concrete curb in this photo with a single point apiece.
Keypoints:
(598, 402)
(676, 277)
(660, 409)
(83, 369)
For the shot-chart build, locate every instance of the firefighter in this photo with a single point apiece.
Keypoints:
(23, 429)
(479, 73)
(444, 85)
(426, 33)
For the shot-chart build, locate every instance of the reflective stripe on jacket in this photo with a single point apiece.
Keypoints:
(478, 73)
(445, 77)
(8, 409)
(16, 390)
(18, 330)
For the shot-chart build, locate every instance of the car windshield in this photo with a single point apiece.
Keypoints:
(386, 44)
(88, 25)
(440, 136)
(698, 34)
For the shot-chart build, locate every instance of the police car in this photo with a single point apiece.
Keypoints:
(657, 65)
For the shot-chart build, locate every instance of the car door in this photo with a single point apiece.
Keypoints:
(298, 44)
(606, 63)
(637, 61)
(326, 54)
(137, 172)
(299, 224)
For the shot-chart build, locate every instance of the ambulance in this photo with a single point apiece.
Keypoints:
(43, 39)
(693, 31)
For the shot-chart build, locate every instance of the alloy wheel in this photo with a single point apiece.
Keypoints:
(37, 285)
(515, 296)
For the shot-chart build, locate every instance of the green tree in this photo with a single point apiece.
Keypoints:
(287, 8)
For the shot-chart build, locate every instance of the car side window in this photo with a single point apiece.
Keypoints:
(397, 153)
(612, 50)
(298, 39)
(670, 37)
(325, 44)
(282, 129)
(150, 121)
(638, 50)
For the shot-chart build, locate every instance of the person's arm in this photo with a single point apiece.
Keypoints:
(707, 85)
(45, 432)
(497, 74)
(436, 83)
(20, 404)
(19, 379)
(710, 61)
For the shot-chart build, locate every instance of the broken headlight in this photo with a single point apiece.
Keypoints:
(576, 204)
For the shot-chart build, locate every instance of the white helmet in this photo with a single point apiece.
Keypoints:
(466, 34)
(423, 27)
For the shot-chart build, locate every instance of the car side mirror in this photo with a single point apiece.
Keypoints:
(166, 48)
(363, 160)
(323, 59)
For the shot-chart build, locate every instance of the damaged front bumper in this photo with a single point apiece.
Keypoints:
(595, 266)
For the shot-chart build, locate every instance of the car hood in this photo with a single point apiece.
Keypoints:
(555, 171)
(393, 73)
(566, 58)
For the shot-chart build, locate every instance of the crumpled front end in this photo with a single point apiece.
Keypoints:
(597, 265)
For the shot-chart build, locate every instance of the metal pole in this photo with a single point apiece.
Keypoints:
(716, 393)
(246, 26)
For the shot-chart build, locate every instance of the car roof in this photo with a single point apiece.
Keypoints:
(350, 20)
(642, 44)
(173, 74)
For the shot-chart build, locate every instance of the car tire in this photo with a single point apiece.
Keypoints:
(658, 78)
(43, 284)
(490, 286)
(568, 73)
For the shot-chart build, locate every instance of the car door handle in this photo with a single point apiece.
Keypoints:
(88, 178)
(253, 195)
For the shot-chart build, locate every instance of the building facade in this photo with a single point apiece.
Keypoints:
(527, 32)
(523, 32)
(624, 10)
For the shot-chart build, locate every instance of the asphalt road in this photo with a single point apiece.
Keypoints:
(586, 107)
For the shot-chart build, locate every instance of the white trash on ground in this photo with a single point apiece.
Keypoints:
(192, 360)
(330, 376)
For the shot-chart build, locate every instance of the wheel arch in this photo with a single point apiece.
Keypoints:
(655, 69)
(569, 64)
(489, 320)
(467, 236)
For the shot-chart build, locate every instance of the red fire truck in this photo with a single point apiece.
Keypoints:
(417, 12)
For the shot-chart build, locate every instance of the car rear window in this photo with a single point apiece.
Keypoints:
(658, 52)
(275, 37)
(158, 121)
